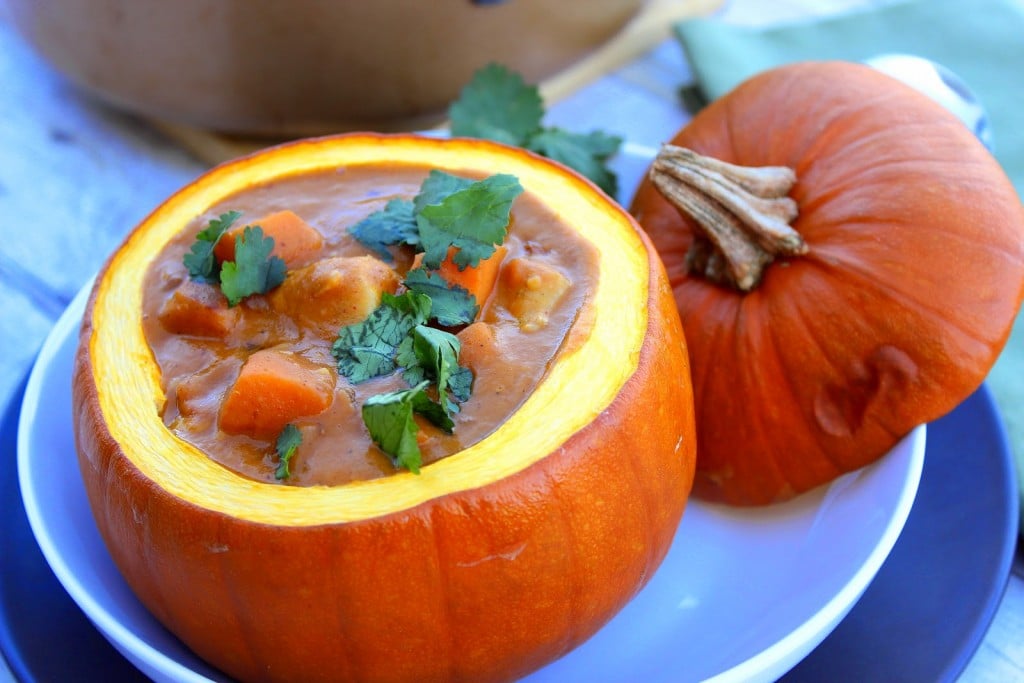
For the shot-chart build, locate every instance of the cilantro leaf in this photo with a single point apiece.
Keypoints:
(405, 357)
(200, 261)
(254, 270)
(586, 153)
(394, 224)
(451, 305)
(461, 384)
(497, 105)
(435, 414)
(437, 187)
(287, 442)
(433, 355)
(473, 219)
(389, 419)
(367, 349)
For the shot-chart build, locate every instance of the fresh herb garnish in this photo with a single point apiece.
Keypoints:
(474, 219)
(389, 419)
(433, 355)
(396, 335)
(437, 187)
(451, 305)
(448, 211)
(498, 105)
(200, 261)
(587, 153)
(287, 442)
(254, 270)
(367, 349)
(394, 224)
(450, 215)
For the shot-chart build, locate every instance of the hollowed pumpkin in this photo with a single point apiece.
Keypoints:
(490, 563)
(888, 314)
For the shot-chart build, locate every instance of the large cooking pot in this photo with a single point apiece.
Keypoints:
(306, 66)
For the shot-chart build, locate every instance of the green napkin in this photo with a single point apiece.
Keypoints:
(982, 41)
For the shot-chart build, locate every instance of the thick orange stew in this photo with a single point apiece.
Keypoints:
(342, 326)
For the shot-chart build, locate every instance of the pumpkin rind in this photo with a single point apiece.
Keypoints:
(914, 274)
(481, 582)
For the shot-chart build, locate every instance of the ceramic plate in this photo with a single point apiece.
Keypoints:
(743, 595)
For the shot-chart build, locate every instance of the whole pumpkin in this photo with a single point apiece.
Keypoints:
(881, 305)
(490, 563)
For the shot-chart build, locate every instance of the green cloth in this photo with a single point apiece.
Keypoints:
(981, 40)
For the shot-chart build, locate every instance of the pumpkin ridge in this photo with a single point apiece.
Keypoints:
(444, 586)
(786, 372)
(343, 643)
(645, 513)
(926, 308)
(574, 616)
(702, 378)
(816, 435)
(757, 424)
(245, 635)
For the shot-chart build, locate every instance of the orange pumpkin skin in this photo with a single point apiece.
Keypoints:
(484, 584)
(907, 295)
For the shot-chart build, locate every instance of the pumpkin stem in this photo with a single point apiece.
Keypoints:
(743, 214)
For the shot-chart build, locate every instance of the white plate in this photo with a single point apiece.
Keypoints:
(742, 595)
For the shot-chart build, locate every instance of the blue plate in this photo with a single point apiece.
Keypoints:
(941, 584)
(930, 604)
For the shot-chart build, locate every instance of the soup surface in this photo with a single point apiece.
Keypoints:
(537, 304)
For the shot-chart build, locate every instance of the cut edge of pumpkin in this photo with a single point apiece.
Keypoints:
(569, 397)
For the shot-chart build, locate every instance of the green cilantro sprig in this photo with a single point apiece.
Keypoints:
(474, 218)
(395, 335)
(498, 105)
(254, 270)
(433, 355)
(389, 418)
(451, 305)
(201, 263)
(287, 442)
(394, 224)
(448, 211)
(367, 349)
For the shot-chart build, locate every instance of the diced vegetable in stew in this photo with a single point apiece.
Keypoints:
(247, 381)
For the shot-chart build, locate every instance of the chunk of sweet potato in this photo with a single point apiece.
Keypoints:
(478, 345)
(295, 241)
(275, 387)
(199, 310)
(195, 396)
(533, 289)
(478, 280)
(333, 292)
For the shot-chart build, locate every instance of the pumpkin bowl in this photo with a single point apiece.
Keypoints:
(573, 501)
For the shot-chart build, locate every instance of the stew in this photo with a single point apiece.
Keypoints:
(235, 375)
